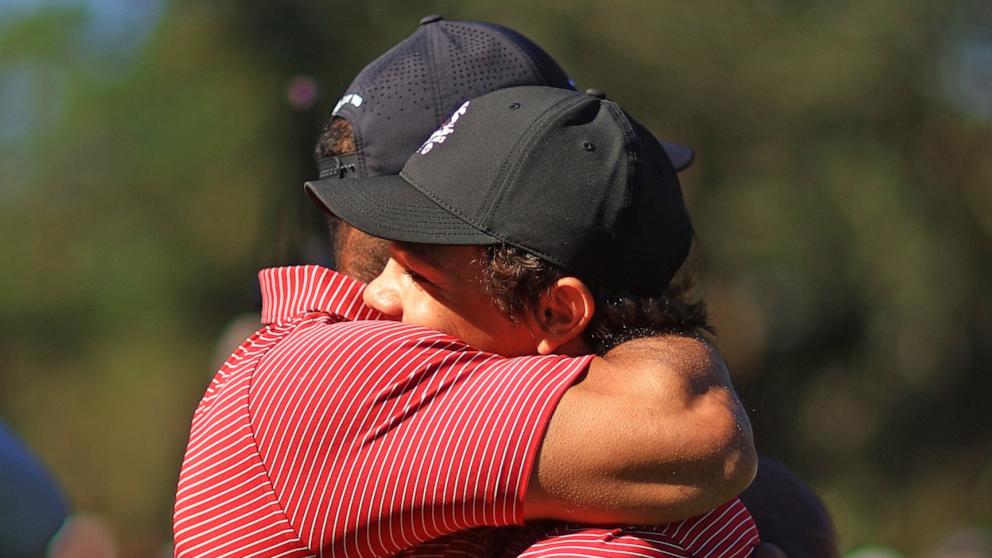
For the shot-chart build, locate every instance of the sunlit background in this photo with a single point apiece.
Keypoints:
(152, 155)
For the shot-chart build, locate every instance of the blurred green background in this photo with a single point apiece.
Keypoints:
(152, 155)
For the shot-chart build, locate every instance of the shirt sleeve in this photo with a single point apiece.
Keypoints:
(378, 436)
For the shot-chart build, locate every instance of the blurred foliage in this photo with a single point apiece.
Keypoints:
(842, 196)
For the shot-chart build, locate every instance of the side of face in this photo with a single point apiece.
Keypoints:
(441, 288)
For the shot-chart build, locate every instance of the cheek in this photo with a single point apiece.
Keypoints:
(490, 330)
(420, 309)
(425, 311)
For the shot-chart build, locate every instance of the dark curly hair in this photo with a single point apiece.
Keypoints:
(515, 279)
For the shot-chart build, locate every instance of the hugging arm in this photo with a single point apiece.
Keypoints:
(653, 433)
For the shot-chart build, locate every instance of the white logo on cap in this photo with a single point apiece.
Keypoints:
(444, 131)
(353, 99)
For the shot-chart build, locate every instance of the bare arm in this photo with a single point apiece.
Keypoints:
(653, 433)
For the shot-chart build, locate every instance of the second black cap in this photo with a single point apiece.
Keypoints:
(401, 97)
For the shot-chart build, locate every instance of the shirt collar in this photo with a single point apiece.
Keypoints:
(290, 291)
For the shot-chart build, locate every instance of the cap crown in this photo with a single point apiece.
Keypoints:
(569, 177)
(399, 98)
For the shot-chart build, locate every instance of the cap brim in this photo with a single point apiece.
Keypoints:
(681, 156)
(389, 207)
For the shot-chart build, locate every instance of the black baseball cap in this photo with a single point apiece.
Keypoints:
(567, 176)
(396, 101)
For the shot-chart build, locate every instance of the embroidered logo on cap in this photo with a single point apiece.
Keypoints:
(444, 131)
(353, 99)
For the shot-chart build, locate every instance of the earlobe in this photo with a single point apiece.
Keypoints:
(563, 313)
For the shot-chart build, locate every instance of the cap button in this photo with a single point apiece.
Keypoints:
(596, 93)
(430, 19)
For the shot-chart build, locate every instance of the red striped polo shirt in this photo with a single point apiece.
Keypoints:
(331, 433)
(325, 436)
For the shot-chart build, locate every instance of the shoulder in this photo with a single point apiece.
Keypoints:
(689, 353)
(669, 359)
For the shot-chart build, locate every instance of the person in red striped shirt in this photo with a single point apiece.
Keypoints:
(269, 471)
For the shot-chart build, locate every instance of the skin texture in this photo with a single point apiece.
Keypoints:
(652, 433)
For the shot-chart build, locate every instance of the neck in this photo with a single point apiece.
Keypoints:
(575, 347)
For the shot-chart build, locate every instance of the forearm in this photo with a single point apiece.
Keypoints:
(651, 435)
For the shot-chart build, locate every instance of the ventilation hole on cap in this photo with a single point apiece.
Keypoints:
(588, 146)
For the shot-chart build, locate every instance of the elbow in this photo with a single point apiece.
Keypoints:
(741, 463)
(715, 464)
(717, 469)
(734, 457)
(719, 453)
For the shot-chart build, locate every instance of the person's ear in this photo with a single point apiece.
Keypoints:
(562, 314)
